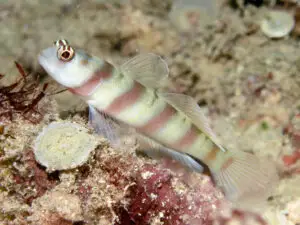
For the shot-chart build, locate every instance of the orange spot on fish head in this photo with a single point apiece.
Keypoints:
(84, 62)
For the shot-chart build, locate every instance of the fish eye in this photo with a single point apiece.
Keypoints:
(65, 53)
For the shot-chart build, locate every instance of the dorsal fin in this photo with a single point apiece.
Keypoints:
(187, 105)
(148, 69)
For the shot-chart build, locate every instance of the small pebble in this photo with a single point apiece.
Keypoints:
(277, 24)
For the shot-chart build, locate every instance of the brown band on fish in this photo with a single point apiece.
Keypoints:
(126, 100)
(89, 86)
(227, 163)
(188, 139)
(211, 155)
(159, 120)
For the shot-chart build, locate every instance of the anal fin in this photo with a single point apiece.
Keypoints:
(157, 151)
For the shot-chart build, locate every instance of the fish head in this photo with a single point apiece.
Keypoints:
(68, 67)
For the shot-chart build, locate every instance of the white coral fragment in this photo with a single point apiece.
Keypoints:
(277, 24)
(63, 145)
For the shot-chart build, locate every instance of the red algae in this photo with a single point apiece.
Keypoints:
(292, 129)
(289, 160)
(39, 180)
(21, 98)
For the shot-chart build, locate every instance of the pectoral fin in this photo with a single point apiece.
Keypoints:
(104, 125)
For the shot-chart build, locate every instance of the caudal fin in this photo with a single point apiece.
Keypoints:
(247, 180)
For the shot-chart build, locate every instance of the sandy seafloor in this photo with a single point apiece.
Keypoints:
(247, 84)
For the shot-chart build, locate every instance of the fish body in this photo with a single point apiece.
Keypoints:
(171, 123)
(150, 114)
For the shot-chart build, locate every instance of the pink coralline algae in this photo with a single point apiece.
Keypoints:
(120, 188)
(293, 131)
(39, 180)
(157, 193)
(157, 198)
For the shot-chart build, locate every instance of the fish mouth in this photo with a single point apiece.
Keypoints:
(42, 58)
(43, 63)
(46, 63)
(48, 53)
(47, 57)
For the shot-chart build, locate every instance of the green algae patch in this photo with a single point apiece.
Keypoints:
(63, 145)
